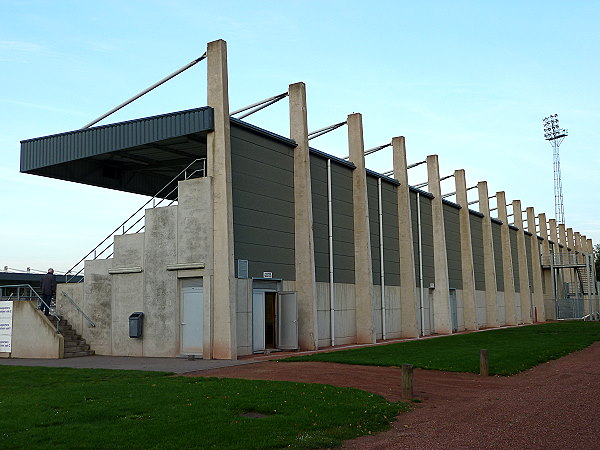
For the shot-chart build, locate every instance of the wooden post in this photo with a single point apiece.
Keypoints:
(484, 367)
(407, 381)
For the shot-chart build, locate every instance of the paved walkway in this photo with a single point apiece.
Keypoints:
(176, 365)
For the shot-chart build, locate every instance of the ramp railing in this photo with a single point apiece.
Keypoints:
(24, 292)
(104, 249)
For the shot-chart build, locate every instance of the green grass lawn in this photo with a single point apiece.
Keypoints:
(511, 350)
(84, 408)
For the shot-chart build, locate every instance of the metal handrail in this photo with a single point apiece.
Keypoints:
(29, 297)
(161, 199)
(79, 309)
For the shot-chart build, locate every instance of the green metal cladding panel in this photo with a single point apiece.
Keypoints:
(453, 250)
(343, 223)
(477, 246)
(528, 243)
(318, 173)
(391, 237)
(497, 241)
(426, 238)
(514, 254)
(391, 252)
(263, 203)
(373, 196)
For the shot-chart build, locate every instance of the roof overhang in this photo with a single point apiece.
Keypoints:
(139, 156)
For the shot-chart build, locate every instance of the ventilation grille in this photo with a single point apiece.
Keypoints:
(242, 268)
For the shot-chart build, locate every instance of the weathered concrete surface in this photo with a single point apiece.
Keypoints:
(222, 296)
(304, 254)
(442, 322)
(33, 335)
(536, 269)
(466, 251)
(524, 288)
(510, 308)
(363, 265)
(491, 308)
(408, 291)
(161, 302)
(97, 304)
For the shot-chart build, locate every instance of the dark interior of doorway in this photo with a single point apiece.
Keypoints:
(270, 320)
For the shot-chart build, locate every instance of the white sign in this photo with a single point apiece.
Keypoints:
(267, 274)
(6, 314)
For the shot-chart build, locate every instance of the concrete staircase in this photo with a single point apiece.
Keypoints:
(74, 344)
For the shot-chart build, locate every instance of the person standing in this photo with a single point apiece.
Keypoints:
(48, 288)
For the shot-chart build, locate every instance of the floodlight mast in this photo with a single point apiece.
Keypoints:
(555, 135)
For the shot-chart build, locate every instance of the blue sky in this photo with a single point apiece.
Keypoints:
(470, 81)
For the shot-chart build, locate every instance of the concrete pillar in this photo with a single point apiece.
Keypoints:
(536, 269)
(222, 298)
(553, 232)
(577, 243)
(526, 297)
(510, 311)
(491, 299)
(548, 276)
(562, 237)
(363, 267)
(303, 226)
(440, 294)
(466, 252)
(409, 299)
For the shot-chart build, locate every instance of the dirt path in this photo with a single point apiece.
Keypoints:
(553, 406)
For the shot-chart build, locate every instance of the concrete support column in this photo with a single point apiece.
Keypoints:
(524, 287)
(510, 311)
(577, 243)
(536, 269)
(491, 300)
(466, 252)
(222, 297)
(562, 237)
(408, 296)
(303, 226)
(363, 266)
(553, 232)
(548, 275)
(440, 295)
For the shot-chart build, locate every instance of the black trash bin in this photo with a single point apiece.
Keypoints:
(136, 320)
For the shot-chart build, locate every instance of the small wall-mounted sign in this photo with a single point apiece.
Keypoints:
(267, 274)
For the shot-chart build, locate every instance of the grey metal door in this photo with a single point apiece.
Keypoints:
(192, 316)
(453, 310)
(287, 307)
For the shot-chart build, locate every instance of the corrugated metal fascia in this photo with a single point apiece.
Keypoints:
(383, 177)
(475, 213)
(422, 192)
(78, 144)
(337, 159)
(262, 131)
(449, 203)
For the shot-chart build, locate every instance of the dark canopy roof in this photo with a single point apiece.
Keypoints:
(139, 156)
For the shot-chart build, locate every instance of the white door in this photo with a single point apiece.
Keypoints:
(287, 326)
(192, 316)
(258, 321)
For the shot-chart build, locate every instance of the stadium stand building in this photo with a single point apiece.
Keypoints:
(267, 243)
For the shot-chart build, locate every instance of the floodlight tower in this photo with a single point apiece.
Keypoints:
(555, 135)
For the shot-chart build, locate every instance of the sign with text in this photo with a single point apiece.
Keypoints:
(6, 314)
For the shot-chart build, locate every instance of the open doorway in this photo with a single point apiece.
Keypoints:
(274, 320)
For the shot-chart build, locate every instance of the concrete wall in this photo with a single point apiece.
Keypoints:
(143, 276)
(33, 335)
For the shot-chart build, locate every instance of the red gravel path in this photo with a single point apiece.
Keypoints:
(552, 406)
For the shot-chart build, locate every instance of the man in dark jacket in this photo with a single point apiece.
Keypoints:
(48, 289)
